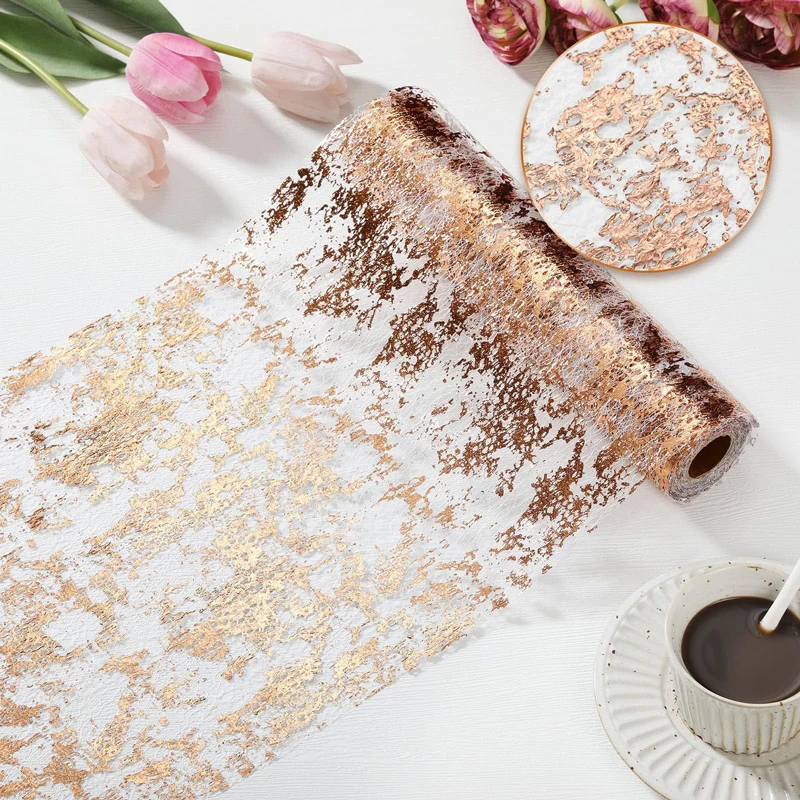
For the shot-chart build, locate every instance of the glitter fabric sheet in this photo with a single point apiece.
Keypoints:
(316, 458)
(646, 146)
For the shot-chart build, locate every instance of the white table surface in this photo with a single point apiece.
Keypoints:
(510, 713)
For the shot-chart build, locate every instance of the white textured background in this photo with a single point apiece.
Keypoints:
(510, 714)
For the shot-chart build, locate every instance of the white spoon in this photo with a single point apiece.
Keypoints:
(775, 612)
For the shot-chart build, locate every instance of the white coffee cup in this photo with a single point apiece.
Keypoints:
(750, 728)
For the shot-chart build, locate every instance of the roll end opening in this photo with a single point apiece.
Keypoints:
(710, 456)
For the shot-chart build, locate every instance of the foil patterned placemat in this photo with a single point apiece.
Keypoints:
(646, 146)
(316, 458)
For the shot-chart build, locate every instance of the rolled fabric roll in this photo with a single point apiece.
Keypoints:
(560, 311)
(319, 456)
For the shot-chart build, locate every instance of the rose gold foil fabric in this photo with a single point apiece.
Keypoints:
(646, 146)
(314, 459)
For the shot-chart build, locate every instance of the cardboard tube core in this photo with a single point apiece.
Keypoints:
(709, 456)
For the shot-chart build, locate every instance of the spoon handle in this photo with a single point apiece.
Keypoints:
(778, 608)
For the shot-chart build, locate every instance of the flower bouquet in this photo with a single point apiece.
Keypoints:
(763, 31)
(174, 73)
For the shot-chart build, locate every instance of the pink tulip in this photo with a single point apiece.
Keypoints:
(512, 29)
(571, 20)
(696, 15)
(175, 75)
(124, 142)
(764, 31)
(302, 75)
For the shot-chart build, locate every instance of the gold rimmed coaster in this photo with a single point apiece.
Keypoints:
(646, 147)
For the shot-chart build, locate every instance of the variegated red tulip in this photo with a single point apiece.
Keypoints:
(696, 15)
(764, 31)
(513, 29)
(571, 20)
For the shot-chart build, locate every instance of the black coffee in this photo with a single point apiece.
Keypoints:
(724, 650)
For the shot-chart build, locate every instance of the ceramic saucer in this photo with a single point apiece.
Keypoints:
(636, 703)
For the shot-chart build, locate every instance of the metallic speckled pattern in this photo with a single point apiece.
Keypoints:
(313, 460)
(646, 147)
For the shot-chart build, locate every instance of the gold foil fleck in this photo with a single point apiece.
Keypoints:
(314, 460)
(656, 161)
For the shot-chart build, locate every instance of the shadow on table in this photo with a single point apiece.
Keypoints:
(186, 202)
(363, 91)
(761, 489)
(534, 67)
(731, 519)
(236, 125)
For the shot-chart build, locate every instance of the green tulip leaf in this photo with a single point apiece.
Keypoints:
(150, 13)
(713, 13)
(51, 12)
(57, 53)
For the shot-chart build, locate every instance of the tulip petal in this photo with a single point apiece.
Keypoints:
(692, 14)
(124, 152)
(133, 117)
(90, 137)
(764, 31)
(512, 29)
(168, 108)
(198, 107)
(127, 188)
(758, 18)
(214, 81)
(785, 44)
(157, 177)
(342, 97)
(159, 153)
(335, 52)
(319, 106)
(166, 74)
(340, 83)
(124, 142)
(130, 189)
(600, 14)
(159, 159)
(291, 64)
(570, 6)
(203, 56)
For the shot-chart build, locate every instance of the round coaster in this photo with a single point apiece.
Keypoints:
(636, 703)
(646, 146)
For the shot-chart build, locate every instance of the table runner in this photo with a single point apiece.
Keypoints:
(316, 458)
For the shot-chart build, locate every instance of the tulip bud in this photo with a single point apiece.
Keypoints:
(696, 15)
(571, 20)
(124, 142)
(174, 75)
(302, 75)
(764, 31)
(512, 29)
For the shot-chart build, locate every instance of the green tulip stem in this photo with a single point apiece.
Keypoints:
(225, 49)
(617, 4)
(40, 71)
(101, 37)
